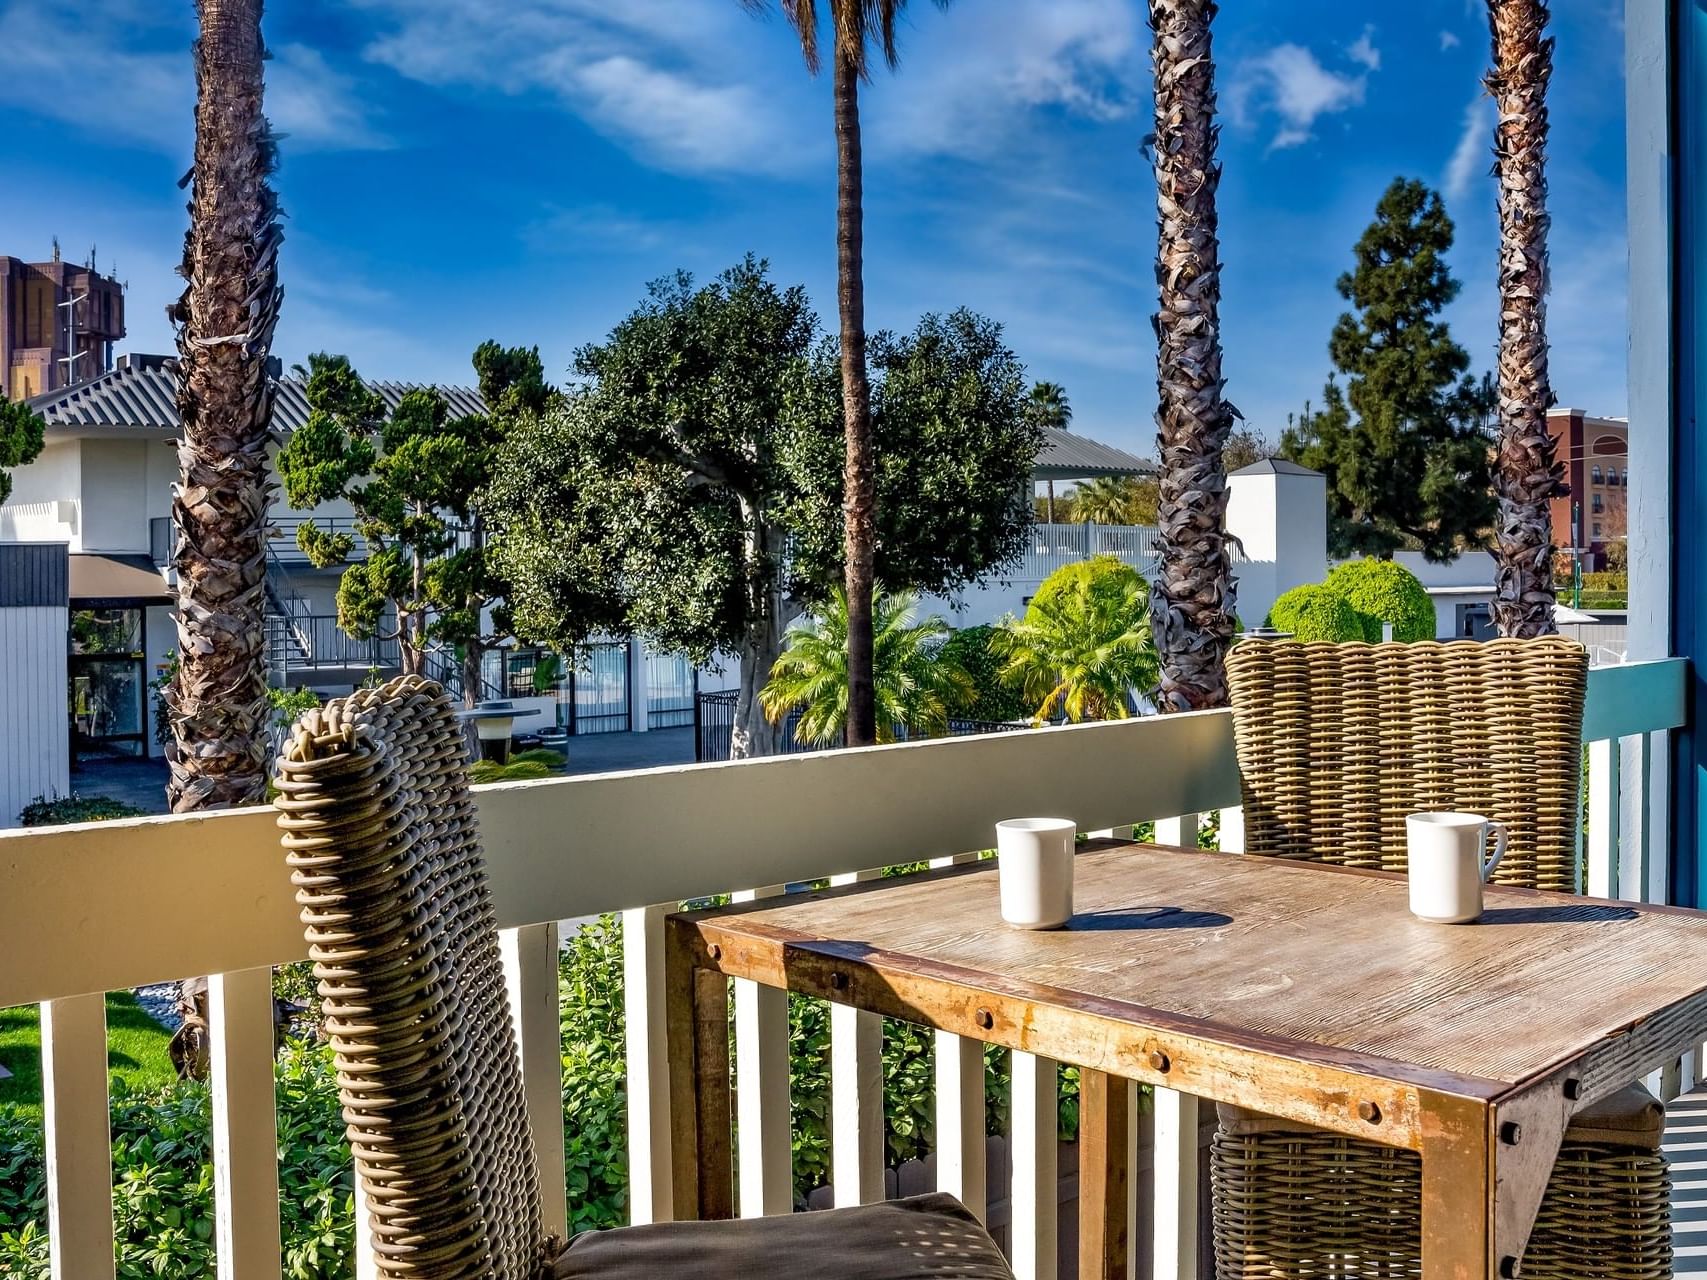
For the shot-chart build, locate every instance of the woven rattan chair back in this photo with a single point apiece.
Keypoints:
(1336, 743)
(380, 835)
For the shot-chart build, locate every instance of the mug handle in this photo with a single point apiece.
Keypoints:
(1498, 828)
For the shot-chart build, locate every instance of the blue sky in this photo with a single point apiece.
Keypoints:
(458, 170)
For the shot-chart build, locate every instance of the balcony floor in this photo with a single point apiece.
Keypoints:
(1686, 1146)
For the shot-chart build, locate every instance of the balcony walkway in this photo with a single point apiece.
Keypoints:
(1686, 1147)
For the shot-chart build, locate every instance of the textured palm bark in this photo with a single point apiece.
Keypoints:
(859, 502)
(1527, 476)
(1192, 598)
(218, 706)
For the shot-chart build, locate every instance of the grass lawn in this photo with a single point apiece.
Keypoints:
(136, 1050)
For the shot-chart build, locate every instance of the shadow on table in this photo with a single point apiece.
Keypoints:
(1587, 913)
(1150, 918)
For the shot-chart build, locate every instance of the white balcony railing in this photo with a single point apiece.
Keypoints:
(41, 522)
(89, 909)
(1052, 545)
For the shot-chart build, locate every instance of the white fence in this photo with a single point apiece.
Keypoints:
(89, 909)
(1054, 545)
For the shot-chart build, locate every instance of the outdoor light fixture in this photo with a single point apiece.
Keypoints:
(494, 724)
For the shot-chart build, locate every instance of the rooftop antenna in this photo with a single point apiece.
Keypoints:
(56, 248)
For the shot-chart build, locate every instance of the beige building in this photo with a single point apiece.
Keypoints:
(58, 324)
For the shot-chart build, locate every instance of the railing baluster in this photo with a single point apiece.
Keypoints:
(1635, 864)
(1232, 829)
(78, 1137)
(1604, 820)
(764, 1157)
(960, 1138)
(649, 1190)
(245, 1123)
(530, 974)
(856, 1095)
(1034, 1120)
(1180, 832)
(1174, 1225)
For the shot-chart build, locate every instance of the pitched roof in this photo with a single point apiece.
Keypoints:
(142, 395)
(1275, 467)
(1069, 456)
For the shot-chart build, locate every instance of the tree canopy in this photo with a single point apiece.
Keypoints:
(22, 434)
(689, 490)
(1402, 443)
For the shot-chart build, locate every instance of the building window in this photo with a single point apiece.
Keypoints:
(1597, 530)
(1626, 474)
(1612, 476)
(1599, 504)
(1594, 474)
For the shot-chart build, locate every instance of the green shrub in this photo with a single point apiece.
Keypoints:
(1386, 593)
(163, 1216)
(1318, 612)
(42, 812)
(516, 770)
(992, 699)
(547, 756)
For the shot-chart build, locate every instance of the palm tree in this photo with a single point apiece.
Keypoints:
(1115, 500)
(218, 704)
(854, 25)
(1527, 476)
(1191, 608)
(916, 684)
(1048, 404)
(1083, 646)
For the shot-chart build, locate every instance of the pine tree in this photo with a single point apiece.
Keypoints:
(1403, 443)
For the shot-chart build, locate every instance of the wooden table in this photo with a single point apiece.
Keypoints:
(1302, 991)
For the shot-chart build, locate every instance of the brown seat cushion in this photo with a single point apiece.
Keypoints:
(920, 1238)
(1632, 1117)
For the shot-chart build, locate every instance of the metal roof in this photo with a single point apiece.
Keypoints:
(1067, 455)
(1275, 467)
(143, 396)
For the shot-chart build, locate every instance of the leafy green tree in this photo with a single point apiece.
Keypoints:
(690, 490)
(1318, 612)
(1402, 444)
(991, 698)
(22, 434)
(918, 686)
(1083, 647)
(412, 478)
(1389, 594)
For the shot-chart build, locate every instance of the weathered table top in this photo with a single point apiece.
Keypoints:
(1302, 962)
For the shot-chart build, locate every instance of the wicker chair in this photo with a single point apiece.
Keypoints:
(381, 837)
(1336, 744)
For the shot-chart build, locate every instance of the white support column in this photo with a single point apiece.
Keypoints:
(639, 691)
(530, 974)
(649, 1190)
(856, 1095)
(1033, 1122)
(960, 1140)
(765, 1158)
(1176, 1203)
(78, 1137)
(245, 1123)
(1605, 818)
(1232, 829)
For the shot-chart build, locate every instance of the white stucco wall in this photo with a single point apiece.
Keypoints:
(115, 495)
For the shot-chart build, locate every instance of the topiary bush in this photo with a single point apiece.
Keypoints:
(1318, 612)
(1386, 592)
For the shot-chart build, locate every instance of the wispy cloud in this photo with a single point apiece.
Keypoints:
(1449, 40)
(1290, 83)
(51, 56)
(605, 228)
(1363, 50)
(1474, 145)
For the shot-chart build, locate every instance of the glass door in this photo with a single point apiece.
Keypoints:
(109, 694)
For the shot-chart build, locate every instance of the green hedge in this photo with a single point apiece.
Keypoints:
(1318, 612)
(42, 812)
(1385, 592)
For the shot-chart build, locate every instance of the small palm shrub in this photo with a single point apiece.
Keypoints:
(1084, 644)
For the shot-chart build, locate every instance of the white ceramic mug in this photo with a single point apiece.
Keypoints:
(1034, 858)
(1449, 863)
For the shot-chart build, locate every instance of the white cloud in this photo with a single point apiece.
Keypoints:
(103, 70)
(1363, 50)
(1475, 144)
(1290, 83)
(1449, 40)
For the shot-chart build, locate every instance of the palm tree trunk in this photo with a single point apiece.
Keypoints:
(1527, 476)
(1191, 602)
(226, 315)
(859, 502)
